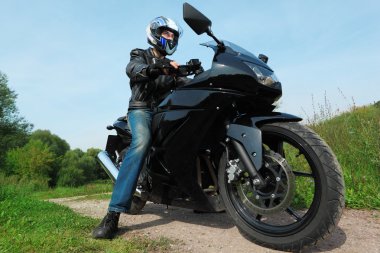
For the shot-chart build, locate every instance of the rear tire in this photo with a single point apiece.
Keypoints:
(326, 204)
(136, 206)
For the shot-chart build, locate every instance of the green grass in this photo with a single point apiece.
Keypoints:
(354, 136)
(102, 196)
(98, 187)
(305, 186)
(31, 225)
(98, 196)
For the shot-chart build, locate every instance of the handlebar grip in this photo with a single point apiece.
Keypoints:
(188, 69)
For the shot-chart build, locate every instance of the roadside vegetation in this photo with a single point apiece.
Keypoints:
(354, 136)
(93, 189)
(31, 225)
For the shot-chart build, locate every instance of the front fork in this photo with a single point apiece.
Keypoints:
(248, 144)
(246, 138)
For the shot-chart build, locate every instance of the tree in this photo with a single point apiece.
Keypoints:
(98, 170)
(14, 130)
(79, 168)
(76, 169)
(32, 162)
(57, 146)
(71, 176)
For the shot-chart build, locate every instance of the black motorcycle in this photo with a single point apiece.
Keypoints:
(218, 145)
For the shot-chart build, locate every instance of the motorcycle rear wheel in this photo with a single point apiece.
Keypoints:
(319, 195)
(136, 206)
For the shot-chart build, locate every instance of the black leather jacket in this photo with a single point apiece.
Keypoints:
(148, 93)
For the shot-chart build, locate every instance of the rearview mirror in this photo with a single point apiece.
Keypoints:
(195, 19)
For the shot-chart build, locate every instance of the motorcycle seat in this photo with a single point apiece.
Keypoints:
(123, 118)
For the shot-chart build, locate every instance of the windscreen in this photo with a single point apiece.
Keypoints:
(232, 46)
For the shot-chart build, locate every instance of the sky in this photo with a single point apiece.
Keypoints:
(66, 59)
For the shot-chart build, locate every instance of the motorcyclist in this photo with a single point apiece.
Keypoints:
(149, 81)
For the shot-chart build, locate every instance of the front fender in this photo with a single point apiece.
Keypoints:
(245, 129)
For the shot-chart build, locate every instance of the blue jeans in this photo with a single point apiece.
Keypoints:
(140, 122)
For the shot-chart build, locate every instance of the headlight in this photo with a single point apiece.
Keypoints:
(263, 75)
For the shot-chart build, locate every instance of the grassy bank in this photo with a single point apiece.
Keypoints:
(98, 187)
(31, 225)
(354, 136)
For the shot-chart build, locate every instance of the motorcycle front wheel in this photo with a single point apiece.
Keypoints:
(303, 199)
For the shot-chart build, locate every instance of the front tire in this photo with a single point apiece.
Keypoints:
(319, 195)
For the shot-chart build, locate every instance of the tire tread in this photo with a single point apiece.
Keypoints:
(335, 190)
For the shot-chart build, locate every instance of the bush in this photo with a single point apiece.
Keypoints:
(71, 176)
(33, 162)
(77, 169)
(99, 172)
(10, 187)
(57, 146)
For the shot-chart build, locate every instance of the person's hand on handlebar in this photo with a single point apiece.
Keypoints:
(161, 67)
(168, 67)
(174, 64)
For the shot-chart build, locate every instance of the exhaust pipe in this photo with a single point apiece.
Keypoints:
(107, 165)
(111, 170)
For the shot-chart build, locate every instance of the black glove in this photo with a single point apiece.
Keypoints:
(195, 66)
(156, 69)
(199, 71)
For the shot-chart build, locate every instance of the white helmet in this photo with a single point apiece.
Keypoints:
(154, 31)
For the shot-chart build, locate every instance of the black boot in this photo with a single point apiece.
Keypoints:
(108, 227)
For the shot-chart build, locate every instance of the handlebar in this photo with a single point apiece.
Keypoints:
(190, 68)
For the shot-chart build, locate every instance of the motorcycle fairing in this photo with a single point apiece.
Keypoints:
(245, 130)
(181, 123)
(230, 71)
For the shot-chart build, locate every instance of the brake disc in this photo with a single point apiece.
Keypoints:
(279, 189)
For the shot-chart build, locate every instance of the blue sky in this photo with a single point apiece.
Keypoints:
(66, 59)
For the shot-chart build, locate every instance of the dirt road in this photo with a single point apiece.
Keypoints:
(358, 231)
